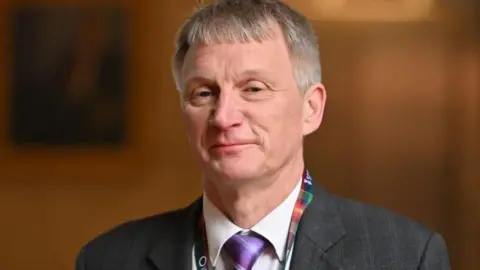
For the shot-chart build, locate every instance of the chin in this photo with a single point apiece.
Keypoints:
(236, 170)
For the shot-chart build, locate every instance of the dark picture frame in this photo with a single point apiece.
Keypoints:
(68, 76)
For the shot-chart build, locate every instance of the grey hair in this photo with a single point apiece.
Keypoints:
(247, 21)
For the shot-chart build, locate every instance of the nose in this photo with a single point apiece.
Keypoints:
(226, 112)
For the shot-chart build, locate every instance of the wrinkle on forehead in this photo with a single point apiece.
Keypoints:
(233, 60)
(230, 31)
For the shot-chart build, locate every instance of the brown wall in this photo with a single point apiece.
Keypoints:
(401, 131)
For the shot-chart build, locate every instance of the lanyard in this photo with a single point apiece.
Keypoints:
(304, 198)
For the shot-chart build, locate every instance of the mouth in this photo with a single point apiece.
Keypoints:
(230, 147)
(226, 145)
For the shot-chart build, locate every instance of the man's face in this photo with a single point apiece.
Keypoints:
(244, 114)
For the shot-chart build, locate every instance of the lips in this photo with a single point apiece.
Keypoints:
(224, 145)
(230, 148)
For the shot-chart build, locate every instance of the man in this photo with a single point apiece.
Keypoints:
(248, 73)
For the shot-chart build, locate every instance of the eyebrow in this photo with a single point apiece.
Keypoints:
(247, 73)
(196, 78)
(261, 74)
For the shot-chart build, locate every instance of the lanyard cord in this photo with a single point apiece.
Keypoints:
(304, 198)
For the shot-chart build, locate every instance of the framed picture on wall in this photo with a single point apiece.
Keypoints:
(65, 79)
(68, 71)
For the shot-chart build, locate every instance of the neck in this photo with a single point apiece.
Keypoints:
(246, 204)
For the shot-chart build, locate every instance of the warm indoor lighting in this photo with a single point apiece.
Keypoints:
(203, 2)
(366, 10)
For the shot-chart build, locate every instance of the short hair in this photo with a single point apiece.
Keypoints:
(247, 21)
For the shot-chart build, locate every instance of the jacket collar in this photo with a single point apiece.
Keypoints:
(319, 230)
(174, 250)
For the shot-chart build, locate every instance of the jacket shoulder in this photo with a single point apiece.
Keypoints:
(138, 228)
(383, 234)
(130, 240)
(366, 215)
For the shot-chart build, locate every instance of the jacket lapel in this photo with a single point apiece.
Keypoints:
(174, 251)
(320, 229)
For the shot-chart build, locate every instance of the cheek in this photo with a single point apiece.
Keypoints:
(287, 114)
(286, 125)
(278, 128)
(195, 125)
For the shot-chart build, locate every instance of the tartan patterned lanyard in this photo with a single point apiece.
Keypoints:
(304, 198)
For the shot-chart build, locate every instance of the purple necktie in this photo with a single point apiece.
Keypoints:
(244, 250)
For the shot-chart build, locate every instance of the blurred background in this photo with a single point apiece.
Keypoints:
(91, 134)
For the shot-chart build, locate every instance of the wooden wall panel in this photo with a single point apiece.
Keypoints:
(382, 136)
(49, 206)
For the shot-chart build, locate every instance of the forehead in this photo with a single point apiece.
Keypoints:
(269, 53)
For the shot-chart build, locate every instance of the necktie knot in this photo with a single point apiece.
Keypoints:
(244, 249)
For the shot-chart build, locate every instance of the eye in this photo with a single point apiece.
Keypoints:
(201, 95)
(254, 87)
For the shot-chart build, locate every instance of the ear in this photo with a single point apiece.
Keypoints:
(313, 108)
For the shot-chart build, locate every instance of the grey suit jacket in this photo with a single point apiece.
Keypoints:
(334, 234)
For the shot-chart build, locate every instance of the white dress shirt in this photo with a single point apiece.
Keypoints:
(274, 227)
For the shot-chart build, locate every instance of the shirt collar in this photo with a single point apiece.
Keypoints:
(218, 228)
(274, 227)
